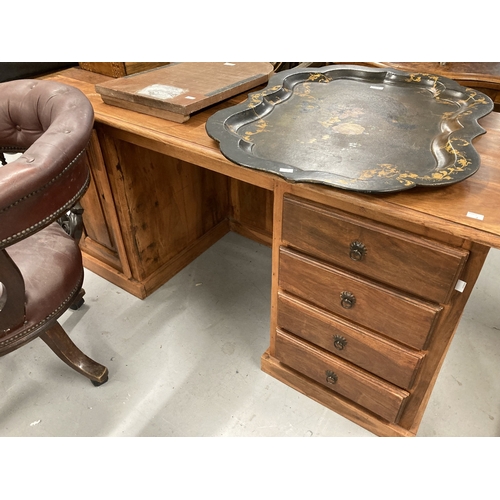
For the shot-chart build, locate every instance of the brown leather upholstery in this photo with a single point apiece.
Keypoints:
(51, 265)
(41, 270)
(52, 122)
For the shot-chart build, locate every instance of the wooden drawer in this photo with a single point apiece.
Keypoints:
(416, 265)
(374, 394)
(402, 318)
(371, 352)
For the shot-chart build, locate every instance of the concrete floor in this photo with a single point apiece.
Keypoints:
(186, 362)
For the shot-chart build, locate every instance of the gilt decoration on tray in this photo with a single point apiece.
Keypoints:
(356, 128)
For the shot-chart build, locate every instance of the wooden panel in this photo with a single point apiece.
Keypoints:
(417, 265)
(96, 225)
(407, 320)
(176, 91)
(164, 204)
(372, 393)
(93, 217)
(252, 211)
(102, 235)
(375, 354)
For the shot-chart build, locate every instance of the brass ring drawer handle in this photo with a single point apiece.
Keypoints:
(339, 342)
(347, 300)
(331, 377)
(357, 250)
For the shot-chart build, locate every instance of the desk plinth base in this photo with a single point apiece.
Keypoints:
(327, 398)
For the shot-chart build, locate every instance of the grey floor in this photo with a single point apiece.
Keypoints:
(186, 362)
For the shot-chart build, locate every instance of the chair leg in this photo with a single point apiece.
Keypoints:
(79, 300)
(58, 340)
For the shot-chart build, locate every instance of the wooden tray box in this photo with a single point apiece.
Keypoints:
(175, 91)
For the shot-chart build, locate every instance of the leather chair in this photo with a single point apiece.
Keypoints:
(41, 271)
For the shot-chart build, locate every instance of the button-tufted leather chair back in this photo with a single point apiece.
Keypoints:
(47, 179)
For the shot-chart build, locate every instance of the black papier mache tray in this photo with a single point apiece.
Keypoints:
(357, 128)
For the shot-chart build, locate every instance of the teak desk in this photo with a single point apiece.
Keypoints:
(162, 193)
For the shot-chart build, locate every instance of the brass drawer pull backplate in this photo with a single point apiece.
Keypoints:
(339, 342)
(347, 300)
(357, 250)
(331, 377)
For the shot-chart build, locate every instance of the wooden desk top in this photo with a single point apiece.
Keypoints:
(444, 209)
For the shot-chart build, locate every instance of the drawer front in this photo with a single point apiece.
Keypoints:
(418, 266)
(372, 393)
(397, 316)
(371, 352)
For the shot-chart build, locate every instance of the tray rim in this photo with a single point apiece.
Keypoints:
(280, 87)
